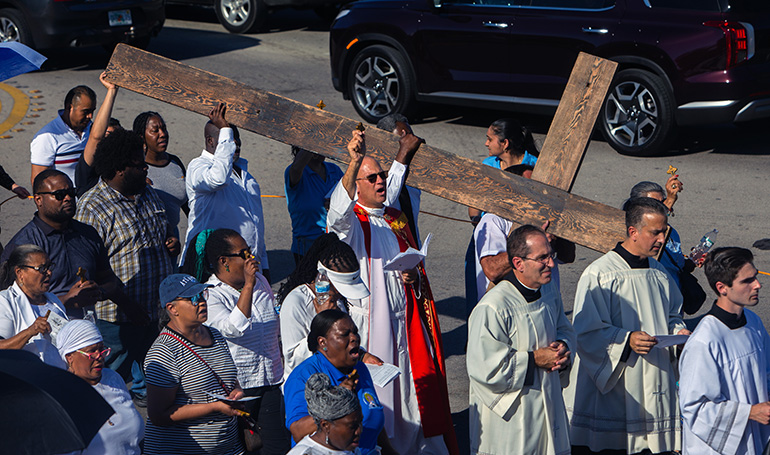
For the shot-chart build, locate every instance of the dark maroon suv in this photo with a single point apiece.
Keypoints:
(682, 62)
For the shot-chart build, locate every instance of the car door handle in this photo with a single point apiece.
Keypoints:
(490, 24)
(598, 31)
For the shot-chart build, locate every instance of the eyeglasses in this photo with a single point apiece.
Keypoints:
(373, 177)
(45, 268)
(96, 354)
(60, 194)
(243, 254)
(543, 259)
(197, 299)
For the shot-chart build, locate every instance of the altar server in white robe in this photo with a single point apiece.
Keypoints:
(622, 393)
(726, 364)
(520, 347)
(398, 322)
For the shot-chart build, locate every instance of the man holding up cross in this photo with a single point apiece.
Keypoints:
(398, 322)
(622, 392)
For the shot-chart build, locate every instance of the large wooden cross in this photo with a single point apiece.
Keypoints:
(468, 182)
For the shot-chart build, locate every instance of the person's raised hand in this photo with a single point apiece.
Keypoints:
(323, 306)
(641, 342)
(408, 145)
(108, 85)
(217, 116)
(20, 191)
(250, 269)
(357, 146)
(371, 359)
(544, 227)
(40, 325)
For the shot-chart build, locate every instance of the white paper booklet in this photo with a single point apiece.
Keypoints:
(409, 258)
(384, 374)
(665, 341)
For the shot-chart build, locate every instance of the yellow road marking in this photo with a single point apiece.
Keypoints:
(19, 110)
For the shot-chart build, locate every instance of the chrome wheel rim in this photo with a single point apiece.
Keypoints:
(631, 114)
(235, 12)
(376, 86)
(8, 30)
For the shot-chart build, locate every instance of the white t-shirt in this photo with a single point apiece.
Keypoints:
(57, 146)
(309, 447)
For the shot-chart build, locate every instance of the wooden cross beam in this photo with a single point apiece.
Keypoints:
(449, 176)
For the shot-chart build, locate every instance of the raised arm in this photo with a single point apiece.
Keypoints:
(101, 121)
(357, 151)
(301, 160)
(211, 175)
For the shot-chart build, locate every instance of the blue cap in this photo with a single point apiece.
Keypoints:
(180, 286)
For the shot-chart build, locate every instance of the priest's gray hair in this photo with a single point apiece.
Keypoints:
(643, 189)
(328, 402)
(637, 207)
(517, 245)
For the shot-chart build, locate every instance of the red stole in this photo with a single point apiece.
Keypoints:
(426, 355)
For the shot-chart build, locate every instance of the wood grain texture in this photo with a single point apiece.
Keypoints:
(452, 177)
(571, 129)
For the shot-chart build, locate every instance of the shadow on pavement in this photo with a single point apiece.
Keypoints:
(179, 43)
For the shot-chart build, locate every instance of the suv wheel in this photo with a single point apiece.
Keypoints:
(13, 27)
(241, 16)
(638, 115)
(380, 84)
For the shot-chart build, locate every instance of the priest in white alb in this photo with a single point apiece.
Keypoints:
(398, 322)
(622, 393)
(520, 347)
(725, 364)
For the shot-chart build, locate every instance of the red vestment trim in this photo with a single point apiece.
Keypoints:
(426, 356)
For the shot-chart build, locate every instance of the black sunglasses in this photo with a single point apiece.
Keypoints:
(243, 254)
(60, 194)
(373, 177)
(39, 268)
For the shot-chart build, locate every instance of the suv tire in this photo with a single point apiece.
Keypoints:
(637, 118)
(241, 16)
(380, 83)
(13, 27)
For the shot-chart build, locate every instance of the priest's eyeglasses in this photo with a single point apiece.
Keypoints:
(543, 259)
(372, 178)
(96, 354)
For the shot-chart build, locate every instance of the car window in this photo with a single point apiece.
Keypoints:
(693, 5)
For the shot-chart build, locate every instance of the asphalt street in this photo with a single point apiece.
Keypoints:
(725, 170)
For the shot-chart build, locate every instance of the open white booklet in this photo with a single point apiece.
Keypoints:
(382, 375)
(409, 258)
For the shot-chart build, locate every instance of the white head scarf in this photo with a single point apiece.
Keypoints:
(75, 335)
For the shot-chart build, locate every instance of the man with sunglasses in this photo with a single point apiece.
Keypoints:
(622, 396)
(361, 212)
(71, 246)
(520, 346)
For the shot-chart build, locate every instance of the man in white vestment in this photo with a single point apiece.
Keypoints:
(622, 392)
(726, 364)
(397, 322)
(520, 347)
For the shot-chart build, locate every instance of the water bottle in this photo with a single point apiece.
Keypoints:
(322, 287)
(699, 251)
(90, 316)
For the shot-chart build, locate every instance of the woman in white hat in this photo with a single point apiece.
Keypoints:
(299, 303)
(82, 348)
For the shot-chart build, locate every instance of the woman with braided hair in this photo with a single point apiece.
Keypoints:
(299, 303)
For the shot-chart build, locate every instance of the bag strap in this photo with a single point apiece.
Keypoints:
(221, 382)
(665, 250)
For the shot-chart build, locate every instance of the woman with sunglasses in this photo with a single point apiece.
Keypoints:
(81, 346)
(242, 307)
(28, 312)
(185, 365)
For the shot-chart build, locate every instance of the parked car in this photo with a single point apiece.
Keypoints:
(45, 24)
(681, 62)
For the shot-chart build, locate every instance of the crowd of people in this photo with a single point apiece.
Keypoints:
(99, 283)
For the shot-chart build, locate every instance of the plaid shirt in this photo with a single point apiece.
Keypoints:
(134, 232)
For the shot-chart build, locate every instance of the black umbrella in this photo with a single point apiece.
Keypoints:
(44, 409)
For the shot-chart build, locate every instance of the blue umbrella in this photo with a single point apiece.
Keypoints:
(16, 58)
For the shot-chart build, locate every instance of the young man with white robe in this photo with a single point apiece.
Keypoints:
(520, 347)
(723, 391)
(398, 321)
(622, 393)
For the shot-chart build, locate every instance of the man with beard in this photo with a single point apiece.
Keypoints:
(59, 144)
(130, 218)
(622, 396)
(71, 246)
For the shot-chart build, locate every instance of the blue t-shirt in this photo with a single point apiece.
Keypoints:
(306, 205)
(296, 406)
(495, 161)
(673, 258)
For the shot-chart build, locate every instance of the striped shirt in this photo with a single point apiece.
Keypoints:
(253, 341)
(57, 146)
(169, 364)
(134, 232)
